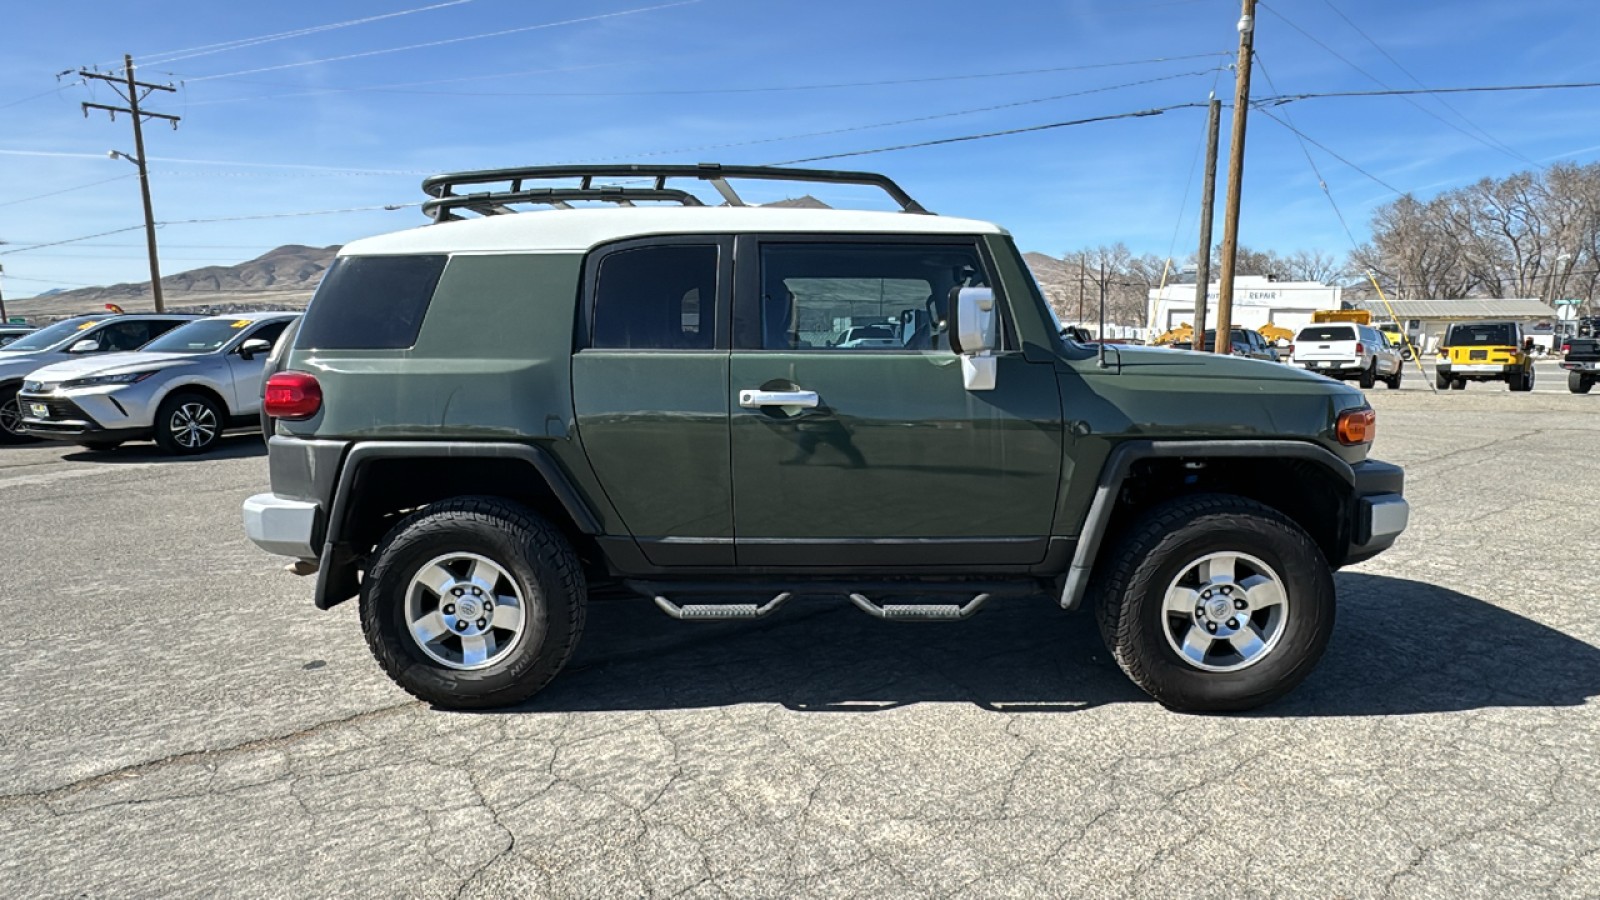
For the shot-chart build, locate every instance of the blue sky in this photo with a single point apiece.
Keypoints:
(279, 126)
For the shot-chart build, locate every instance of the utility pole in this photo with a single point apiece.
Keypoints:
(1083, 265)
(132, 98)
(2, 297)
(1208, 208)
(1230, 217)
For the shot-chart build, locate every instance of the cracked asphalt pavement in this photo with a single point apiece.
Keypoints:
(179, 721)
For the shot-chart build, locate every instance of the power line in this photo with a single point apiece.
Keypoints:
(1321, 182)
(992, 134)
(1337, 55)
(65, 190)
(55, 90)
(69, 240)
(172, 56)
(1319, 145)
(405, 87)
(446, 41)
(892, 123)
(1281, 99)
(282, 215)
(1417, 81)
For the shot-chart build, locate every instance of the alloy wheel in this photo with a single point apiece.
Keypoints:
(1225, 612)
(464, 611)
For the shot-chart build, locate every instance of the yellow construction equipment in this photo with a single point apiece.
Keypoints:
(1184, 333)
(1358, 316)
(1274, 333)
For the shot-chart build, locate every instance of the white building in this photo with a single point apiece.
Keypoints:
(1257, 300)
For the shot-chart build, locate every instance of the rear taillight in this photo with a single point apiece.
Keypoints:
(1356, 426)
(292, 395)
(1361, 350)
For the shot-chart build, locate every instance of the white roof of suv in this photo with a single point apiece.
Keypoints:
(568, 230)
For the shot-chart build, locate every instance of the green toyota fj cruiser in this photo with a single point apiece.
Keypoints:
(483, 420)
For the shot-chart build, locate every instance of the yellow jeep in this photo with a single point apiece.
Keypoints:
(1485, 351)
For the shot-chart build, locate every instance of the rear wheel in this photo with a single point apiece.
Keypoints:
(473, 603)
(1459, 384)
(1441, 381)
(1523, 381)
(1215, 602)
(188, 423)
(1578, 384)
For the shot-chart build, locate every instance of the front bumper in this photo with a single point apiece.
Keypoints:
(283, 526)
(104, 411)
(1380, 513)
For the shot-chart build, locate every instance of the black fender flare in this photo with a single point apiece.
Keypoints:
(1121, 459)
(336, 572)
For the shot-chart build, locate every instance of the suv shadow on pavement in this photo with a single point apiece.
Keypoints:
(232, 446)
(1402, 647)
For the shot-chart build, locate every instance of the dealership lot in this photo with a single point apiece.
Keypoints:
(181, 721)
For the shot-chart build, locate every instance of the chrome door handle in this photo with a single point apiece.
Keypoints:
(755, 399)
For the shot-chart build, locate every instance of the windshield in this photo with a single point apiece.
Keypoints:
(45, 338)
(203, 336)
(1327, 333)
(1493, 334)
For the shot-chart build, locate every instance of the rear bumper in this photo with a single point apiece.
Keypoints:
(1581, 366)
(1476, 369)
(1380, 513)
(283, 526)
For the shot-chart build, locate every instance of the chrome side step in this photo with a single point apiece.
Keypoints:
(714, 612)
(920, 612)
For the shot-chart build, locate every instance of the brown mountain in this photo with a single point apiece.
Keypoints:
(284, 277)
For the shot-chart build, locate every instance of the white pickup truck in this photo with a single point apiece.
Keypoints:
(1345, 350)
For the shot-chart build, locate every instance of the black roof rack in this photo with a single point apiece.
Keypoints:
(449, 200)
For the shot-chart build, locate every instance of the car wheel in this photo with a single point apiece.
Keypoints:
(473, 603)
(1578, 384)
(1442, 382)
(188, 423)
(1459, 384)
(1215, 603)
(1369, 375)
(1394, 380)
(100, 446)
(11, 417)
(1522, 381)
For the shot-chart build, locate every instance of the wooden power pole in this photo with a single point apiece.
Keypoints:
(1230, 216)
(129, 90)
(1208, 208)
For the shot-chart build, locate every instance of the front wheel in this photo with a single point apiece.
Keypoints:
(188, 423)
(1369, 375)
(1215, 603)
(473, 603)
(11, 417)
(1393, 381)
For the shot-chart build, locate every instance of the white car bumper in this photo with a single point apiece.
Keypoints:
(282, 526)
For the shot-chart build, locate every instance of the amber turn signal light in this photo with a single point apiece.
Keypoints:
(1357, 426)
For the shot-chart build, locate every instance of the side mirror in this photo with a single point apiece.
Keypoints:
(87, 345)
(974, 333)
(249, 349)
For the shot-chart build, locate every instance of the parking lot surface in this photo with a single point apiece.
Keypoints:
(181, 722)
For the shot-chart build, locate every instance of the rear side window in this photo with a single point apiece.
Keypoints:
(1327, 333)
(371, 303)
(656, 298)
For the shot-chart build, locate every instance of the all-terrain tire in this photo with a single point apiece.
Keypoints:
(1369, 375)
(531, 551)
(189, 423)
(1131, 582)
(1578, 383)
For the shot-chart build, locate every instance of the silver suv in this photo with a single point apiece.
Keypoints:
(1346, 350)
(69, 339)
(183, 389)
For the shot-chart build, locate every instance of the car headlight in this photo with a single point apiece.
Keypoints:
(32, 387)
(124, 378)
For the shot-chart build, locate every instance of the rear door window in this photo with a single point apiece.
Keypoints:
(656, 298)
(371, 303)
